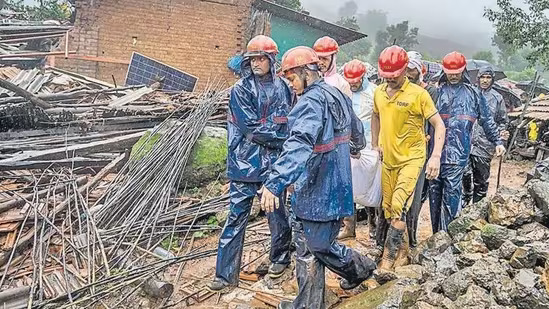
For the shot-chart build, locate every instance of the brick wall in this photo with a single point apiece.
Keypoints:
(197, 36)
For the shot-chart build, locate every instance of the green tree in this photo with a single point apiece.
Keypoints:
(349, 22)
(47, 9)
(484, 55)
(359, 49)
(349, 8)
(523, 27)
(522, 76)
(291, 4)
(398, 34)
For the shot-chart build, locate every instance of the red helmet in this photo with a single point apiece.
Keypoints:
(454, 63)
(392, 62)
(298, 57)
(326, 46)
(354, 71)
(261, 44)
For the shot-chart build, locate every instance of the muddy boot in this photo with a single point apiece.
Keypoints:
(349, 226)
(403, 251)
(392, 246)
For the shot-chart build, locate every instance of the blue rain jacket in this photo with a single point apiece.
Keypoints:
(482, 147)
(257, 124)
(460, 106)
(324, 130)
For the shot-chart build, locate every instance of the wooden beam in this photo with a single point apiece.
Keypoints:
(25, 94)
(120, 143)
(38, 54)
(99, 59)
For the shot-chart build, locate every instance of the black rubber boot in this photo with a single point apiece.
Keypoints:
(277, 270)
(218, 285)
(285, 304)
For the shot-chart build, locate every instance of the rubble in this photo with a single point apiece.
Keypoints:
(496, 255)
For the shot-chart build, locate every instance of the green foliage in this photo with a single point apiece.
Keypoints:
(349, 8)
(48, 9)
(291, 4)
(522, 76)
(212, 221)
(484, 55)
(398, 34)
(522, 27)
(170, 245)
(359, 49)
(209, 151)
(199, 234)
(349, 22)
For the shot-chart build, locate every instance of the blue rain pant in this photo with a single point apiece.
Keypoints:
(445, 196)
(231, 241)
(316, 248)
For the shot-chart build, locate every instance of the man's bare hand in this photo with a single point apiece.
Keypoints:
(291, 189)
(433, 168)
(269, 201)
(356, 156)
(427, 138)
(500, 150)
(505, 135)
(379, 151)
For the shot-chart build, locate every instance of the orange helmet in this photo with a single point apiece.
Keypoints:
(392, 62)
(354, 71)
(454, 63)
(261, 44)
(298, 57)
(326, 46)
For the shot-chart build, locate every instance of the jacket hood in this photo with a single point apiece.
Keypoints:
(246, 66)
(486, 71)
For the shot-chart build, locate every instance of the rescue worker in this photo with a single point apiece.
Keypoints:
(401, 109)
(327, 48)
(257, 125)
(477, 175)
(460, 104)
(363, 102)
(315, 158)
(415, 72)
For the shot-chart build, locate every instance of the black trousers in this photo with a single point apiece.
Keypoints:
(475, 179)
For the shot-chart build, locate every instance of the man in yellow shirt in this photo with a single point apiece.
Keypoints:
(398, 133)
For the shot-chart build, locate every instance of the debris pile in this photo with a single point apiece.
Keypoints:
(495, 255)
(26, 43)
(72, 231)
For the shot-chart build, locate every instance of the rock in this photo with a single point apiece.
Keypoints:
(545, 276)
(330, 298)
(487, 271)
(384, 276)
(477, 211)
(472, 243)
(433, 246)
(414, 272)
(208, 159)
(511, 208)
(524, 257)
(478, 225)
(495, 235)
(468, 259)
(458, 283)
(507, 249)
(429, 294)
(459, 227)
(422, 305)
(475, 298)
(530, 233)
(541, 249)
(504, 291)
(529, 295)
(540, 171)
(442, 265)
(389, 295)
(539, 190)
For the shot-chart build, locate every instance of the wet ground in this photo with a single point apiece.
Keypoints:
(197, 274)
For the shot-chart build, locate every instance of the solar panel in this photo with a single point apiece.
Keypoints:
(146, 71)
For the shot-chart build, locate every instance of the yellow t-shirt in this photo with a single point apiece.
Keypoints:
(402, 118)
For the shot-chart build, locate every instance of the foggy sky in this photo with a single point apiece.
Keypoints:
(447, 19)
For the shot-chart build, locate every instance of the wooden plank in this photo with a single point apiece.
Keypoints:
(269, 300)
(130, 97)
(9, 227)
(249, 277)
(120, 143)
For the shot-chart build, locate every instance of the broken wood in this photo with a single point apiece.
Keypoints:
(25, 94)
(249, 277)
(23, 199)
(268, 299)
